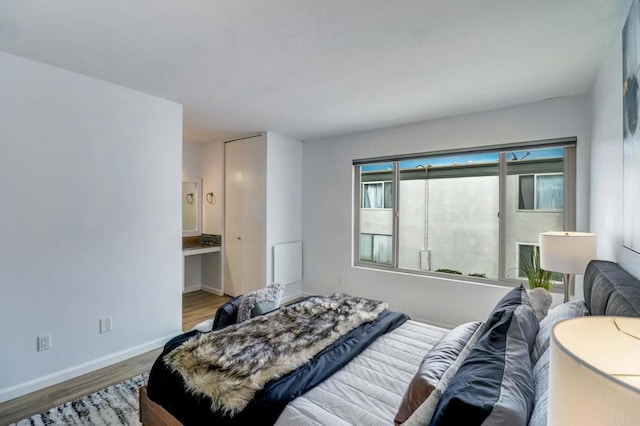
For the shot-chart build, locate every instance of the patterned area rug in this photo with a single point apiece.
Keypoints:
(115, 405)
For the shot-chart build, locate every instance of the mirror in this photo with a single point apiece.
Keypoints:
(191, 206)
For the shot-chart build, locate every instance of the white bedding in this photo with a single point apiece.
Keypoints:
(368, 390)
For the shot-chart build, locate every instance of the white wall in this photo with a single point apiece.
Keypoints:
(89, 223)
(284, 199)
(212, 169)
(206, 161)
(192, 168)
(606, 156)
(191, 160)
(327, 202)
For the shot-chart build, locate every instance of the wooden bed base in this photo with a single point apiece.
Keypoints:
(152, 414)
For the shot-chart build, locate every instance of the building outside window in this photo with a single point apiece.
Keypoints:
(376, 248)
(540, 192)
(377, 195)
(462, 212)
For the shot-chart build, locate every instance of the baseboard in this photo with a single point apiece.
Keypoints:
(191, 289)
(212, 290)
(291, 297)
(78, 370)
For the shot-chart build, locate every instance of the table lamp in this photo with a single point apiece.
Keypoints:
(594, 373)
(567, 253)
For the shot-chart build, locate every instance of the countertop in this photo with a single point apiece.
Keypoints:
(192, 250)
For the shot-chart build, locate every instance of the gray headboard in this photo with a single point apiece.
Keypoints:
(610, 290)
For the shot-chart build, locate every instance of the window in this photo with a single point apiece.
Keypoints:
(462, 211)
(377, 195)
(376, 248)
(541, 192)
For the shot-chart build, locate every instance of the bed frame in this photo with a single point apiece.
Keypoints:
(152, 414)
(608, 290)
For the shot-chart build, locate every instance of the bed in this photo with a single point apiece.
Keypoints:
(397, 359)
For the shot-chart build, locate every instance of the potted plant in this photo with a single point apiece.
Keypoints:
(539, 283)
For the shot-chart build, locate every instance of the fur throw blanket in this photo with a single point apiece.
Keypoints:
(232, 364)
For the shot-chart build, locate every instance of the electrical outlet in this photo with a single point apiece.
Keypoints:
(44, 342)
(105, 325)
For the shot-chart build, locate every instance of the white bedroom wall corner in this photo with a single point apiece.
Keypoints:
(93, 229)
(284, 199)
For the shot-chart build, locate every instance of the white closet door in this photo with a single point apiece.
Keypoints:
(245, 215)
(254, 213)
(233, 218)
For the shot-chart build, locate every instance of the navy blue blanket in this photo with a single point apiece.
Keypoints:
(167, 388)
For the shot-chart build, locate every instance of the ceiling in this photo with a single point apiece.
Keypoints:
(316, 68)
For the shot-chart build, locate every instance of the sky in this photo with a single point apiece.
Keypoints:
(479, 158)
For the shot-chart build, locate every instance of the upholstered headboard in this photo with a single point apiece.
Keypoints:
(610, 290)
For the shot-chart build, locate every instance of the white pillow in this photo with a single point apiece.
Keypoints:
(561, 312)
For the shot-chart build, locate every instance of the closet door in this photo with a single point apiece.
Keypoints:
(233, 218)
(254, 214)
(245, 216)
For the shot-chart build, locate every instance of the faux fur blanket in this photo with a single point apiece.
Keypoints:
(232, 364)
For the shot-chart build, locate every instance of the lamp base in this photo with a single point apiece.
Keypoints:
(567, 286)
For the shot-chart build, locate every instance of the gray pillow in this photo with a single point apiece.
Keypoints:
(260, 301)
(423, 414)
(433, 366)
(561, 312)
(541, 388)
(494, 385)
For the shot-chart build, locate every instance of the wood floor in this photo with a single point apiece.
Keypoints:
(196, 307)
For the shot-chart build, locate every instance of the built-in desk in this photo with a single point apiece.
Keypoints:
(191, 251)
(202, 269)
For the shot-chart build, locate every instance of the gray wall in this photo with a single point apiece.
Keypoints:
(328, 212)
(606, 157)
(90, 223)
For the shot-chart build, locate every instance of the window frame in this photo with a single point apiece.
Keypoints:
(569, 212)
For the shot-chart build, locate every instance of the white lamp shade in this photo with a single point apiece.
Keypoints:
(567, 252)
(594, 372)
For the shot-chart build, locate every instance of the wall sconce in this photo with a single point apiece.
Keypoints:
(211, 199)
(189, 198)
